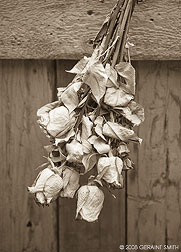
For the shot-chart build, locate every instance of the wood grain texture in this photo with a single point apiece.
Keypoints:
(65, 29)
(173, 173)
(80, 236)
(154, 187)
(25, 86)
(153, 190)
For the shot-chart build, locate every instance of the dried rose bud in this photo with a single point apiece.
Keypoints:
(75, 151)
(89, 203)
(70, 183)
(113, 168)
(123, 149)
(47, 186)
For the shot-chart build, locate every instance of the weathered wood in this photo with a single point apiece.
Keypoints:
(154, 187)
(60, 29)
(109, 232)
(25, 86)
(173, 173)
(153, 204)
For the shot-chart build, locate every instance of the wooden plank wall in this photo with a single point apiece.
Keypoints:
(24, 86)
(154, 188)
(151, 211)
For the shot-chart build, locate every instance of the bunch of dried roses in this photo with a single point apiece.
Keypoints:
(91, 125)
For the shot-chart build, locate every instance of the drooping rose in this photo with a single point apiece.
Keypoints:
(47, 186)
(56, 120)
(113, 168)
(89, 203)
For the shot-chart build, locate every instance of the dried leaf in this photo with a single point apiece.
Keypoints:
(70, 182)
(99, 127)
(99, 120)
(117, 97)
(92, 139)
(89, 161)
(87, 147)
(86, 127)
(86, 133)
(112, 76)
(134, 112)
(79, 67)
(69, 97)
(128, 164)
(127, 71)
(116, 131)
(65, 138)
(60, 91)
(99, 144)
(96, 78)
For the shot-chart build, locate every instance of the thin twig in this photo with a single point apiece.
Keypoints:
(123, 20)
(121, 53)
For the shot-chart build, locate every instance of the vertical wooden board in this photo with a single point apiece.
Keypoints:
(173, 172)
(25, 86)
(112, 222)
(80, 236)
(146, 186)
(132, 185)
(63, 77)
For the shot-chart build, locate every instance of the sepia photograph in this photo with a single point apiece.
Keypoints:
(90, 125)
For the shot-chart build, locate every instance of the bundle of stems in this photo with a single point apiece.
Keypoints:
(111, 39)
(109, 43)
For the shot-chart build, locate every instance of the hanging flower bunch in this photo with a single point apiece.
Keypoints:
(91, 125)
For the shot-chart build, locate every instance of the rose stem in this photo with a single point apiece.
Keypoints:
(120, 32)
